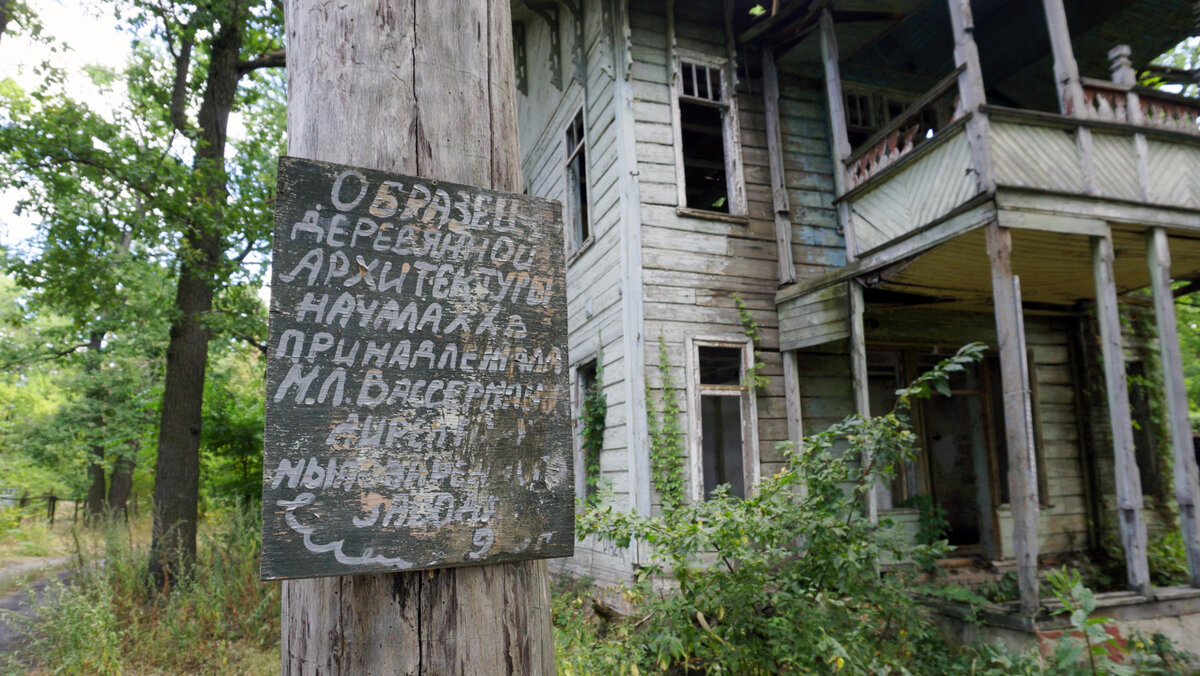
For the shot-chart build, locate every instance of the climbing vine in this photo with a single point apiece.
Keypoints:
(592, 424)
(666, 438)
(754, 375)
(1144, 333)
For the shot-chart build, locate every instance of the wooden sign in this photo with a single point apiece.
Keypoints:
(417, 404)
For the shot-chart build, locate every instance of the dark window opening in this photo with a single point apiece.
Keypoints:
(577, 197)
(722, 399)
(720, 365)
(721, 438)
(1145, 430)
(703, 157)
(702, 120)
(591, 428)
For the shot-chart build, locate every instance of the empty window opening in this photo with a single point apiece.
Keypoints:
(963, 460)
(722, 410)
(577, 193)
(704, 117)
(591, 427)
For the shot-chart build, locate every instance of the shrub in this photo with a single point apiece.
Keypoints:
(788, 578)
(108, 619)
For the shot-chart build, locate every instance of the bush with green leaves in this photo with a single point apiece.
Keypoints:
(788, 579)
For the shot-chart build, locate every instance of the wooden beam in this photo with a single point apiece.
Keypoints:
(783, 14)
(971, 92)
(1187, 490)
(632, 291)
(1018, 414)
(779, 196)
(1066, 70)
(791, 389)
(839, 136)
(858, 367)
(1128, 481)
(413, 71)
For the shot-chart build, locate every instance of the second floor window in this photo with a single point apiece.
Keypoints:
(707, 138)
(577, 192)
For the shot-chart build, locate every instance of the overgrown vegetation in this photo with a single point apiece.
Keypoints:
(666, 437)
(592, 416)
(787, 580)
(109, 620)
(754, 378)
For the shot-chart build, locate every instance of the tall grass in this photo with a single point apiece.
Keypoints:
(109, 620)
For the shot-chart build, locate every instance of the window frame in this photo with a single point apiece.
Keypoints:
(573, 239)
(751, 471)
(730, 132)
(910, 352)
(577, 394)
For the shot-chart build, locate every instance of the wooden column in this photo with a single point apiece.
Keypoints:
(1018, 413)
(779, 196)
(1070, 88)
(1129, 484)
(971, 92)
(791, 390)
(858, 369)
(385, 86)
(1066, 69)
(839, 138)
(1187, 490)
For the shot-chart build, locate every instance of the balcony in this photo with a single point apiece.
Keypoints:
(1133, 154)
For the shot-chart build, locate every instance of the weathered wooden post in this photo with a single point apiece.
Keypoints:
(388, 421)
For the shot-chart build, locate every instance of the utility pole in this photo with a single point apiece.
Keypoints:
(424, 89)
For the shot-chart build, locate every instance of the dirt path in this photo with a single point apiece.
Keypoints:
(23, 600)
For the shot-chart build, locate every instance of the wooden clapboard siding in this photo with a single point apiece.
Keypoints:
(1174, 171)
(815, 318)
(1062, 524)
(924, 190)
(594, 296)
(693, 266)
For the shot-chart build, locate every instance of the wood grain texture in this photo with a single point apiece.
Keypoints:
(1018, 416)
(418, 409)
(1187, 492)
(1128, 480)
(353, 99)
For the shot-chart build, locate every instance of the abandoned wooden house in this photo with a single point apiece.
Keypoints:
(880, 181)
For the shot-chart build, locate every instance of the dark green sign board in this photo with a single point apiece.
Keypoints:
(417, 406)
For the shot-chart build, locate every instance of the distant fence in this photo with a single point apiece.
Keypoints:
(9, 499)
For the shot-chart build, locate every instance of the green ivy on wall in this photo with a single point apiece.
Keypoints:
(666, 438)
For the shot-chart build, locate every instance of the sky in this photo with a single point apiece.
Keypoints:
(90, 37)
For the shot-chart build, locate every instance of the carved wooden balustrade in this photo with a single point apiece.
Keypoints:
(906, 132)
(1131, 104)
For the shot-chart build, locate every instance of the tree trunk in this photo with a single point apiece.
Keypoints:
(121, 483)
(424, 89)
(177, 480)
(96, 487)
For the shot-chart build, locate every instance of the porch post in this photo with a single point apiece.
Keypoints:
(1187, 492)
(791, 390)
(1129, 484)
(1018, 414)
(779, 196)
(971, 91)
(1066, 69)
(839, 137)
(858, 369)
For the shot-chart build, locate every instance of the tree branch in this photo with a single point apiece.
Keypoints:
(183, 62)
(276, 58)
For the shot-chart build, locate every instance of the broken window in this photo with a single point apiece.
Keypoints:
(589, 399)
(577, 186)
(725, 412)
(707, 133)
(963, 461)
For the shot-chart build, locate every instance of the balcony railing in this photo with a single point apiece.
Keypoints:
(1131, 104)
(908, 131)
